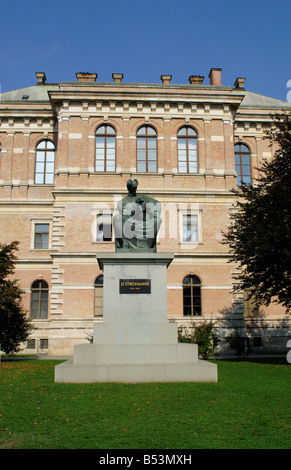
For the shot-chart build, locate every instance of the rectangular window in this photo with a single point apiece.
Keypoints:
(43, 343)
(190, 228)
(30, 344)
(104, 227)
(41, 237)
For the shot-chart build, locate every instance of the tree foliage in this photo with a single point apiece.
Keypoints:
(14, 326)
(259, 235)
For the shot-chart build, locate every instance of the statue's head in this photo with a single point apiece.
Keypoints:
(132, 186)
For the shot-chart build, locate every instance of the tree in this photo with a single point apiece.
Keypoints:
(259, 235)
(14, 325)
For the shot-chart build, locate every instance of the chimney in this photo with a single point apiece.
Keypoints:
(117, 77)
(239, 83)
(215, 77)
(166, 78)
(41, 78)
(196, 79)
(86, 77)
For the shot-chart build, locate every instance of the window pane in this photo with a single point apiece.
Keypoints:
(99, 165)
(182, 144)
(237, 159)
(50, 167)
(141, 166)
(110, 154)
(192, 156)
(245, 159)
(40, 156)
(191, 131)
(151, 131)
(110, 165)
(182, 156)
(196, 291)
(49, 178)
(187, 291)
(187, 311)
(101, 130)
(39, 167)
(39, 178)
(182, 167)
(49, 145)
(192, 144)
(100, 142)
(110, 130)
(152, 155)
(42, 145)
(182, 131)
(141, 143)
(99, 280)
(244, 148)
(247, 180)
(100, 154)
(45, 239)
(37, 241)
(152, 167)
(42, 227)
(141, 131)
(246, 170)
(111, 142)
(141, 155)
(50, 157)
(152, 142)
(193, 167)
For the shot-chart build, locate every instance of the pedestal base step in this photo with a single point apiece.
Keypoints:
(200, 371)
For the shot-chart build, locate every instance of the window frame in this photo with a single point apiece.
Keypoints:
(40, 290)
(41, 233)
(146, 136)
(192, 285)
(36, 221)
(105, 148)
(47, 151)
(187, 137)
(240, 176)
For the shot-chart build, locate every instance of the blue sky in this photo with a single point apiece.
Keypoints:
(145, 39)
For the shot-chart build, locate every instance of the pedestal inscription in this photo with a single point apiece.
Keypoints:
(134, 286)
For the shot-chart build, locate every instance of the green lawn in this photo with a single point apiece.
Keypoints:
(250, 407)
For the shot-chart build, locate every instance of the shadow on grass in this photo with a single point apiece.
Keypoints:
(282, 360)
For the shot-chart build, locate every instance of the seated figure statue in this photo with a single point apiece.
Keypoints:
(137, 222)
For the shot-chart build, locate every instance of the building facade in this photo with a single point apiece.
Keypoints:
(67, 152)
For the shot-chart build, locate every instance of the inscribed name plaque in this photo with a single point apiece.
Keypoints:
(134, 286)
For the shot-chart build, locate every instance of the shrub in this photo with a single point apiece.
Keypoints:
(203, 335)
(237, 343)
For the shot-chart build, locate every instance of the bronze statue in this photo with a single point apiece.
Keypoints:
(137, 222)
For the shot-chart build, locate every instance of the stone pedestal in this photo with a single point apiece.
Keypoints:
(135, 342)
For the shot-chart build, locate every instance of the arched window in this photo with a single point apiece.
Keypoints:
(105, 148)
(146, 141)
(187, 150)
(98, 296)
(191, 296)
(242, 156)
(45, 162)
(39, 299)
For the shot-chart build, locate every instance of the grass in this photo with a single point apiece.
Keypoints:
(249, 408)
